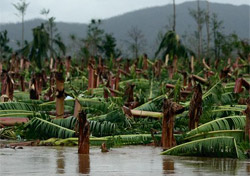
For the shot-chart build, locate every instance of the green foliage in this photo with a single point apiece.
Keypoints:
(64, 128)
(177, 90)
(18, 106)
(99, 129)
(109, 47)
(132, 139)
(171, 45)
(154, 105)
(42, 127)
(226, 123)
(211, 147)
(5, 50)
(41, 44)
(7, 133)
(94, 37)
(238, 135)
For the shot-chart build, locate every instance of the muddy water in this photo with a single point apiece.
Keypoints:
(129, 160)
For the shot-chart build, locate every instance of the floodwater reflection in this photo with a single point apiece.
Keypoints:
(248, 168)
(83, 164)
(60, 162)
(127, 160)
(167, 165)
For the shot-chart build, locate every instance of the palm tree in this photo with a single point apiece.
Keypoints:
(38, 48)
(21, 7)
(171, 45)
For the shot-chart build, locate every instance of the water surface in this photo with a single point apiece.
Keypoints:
(129, 160)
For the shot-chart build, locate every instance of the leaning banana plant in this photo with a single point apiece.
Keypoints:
(222, 146)
(65, 128)
(226, 123)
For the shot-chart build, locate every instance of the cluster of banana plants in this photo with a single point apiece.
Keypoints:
(124, 103)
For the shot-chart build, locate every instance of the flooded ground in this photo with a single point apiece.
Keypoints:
(129, 160)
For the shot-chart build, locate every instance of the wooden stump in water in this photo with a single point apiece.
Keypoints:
(84, 164)
(170, 109)
(104, 148)
(84, 132)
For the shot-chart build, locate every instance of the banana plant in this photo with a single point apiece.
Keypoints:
(222, 146)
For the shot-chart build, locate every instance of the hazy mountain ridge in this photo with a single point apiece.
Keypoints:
(150, 21)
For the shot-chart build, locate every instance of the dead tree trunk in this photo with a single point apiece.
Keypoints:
(51, 64)
(170, 109)
(129, 93)
(77, 108)
(170, 72)
(185, 78)
(22, 83)
(84, 132)
(145, 62)
(247, 128)
(7, 89)
(192, 64)
(126, 66)
(105, 91)
(68, 65)
(33, 89)
(39, 83)
(91, 77)
(195, 109)
(60, 95)
(175, 64)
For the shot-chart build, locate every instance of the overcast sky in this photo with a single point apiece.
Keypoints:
(84, 10)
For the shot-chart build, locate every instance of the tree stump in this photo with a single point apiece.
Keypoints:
(91, 76)
(170, 109)
(60, 95)
(195, 109)
(77, 108)
(7, 87)
(247, 128)
(84, 132)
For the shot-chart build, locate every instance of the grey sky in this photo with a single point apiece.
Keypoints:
(84, 10)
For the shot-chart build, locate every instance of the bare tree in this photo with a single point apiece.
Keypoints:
(137, 41)
(199, 17)
(50, 27)
(174, 16)
(21, 7)
(207, 27)
(45, 12)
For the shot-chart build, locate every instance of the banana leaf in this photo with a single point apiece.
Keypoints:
(226, 123)
(237, 134)
(97, 129)
(48, 129)
(222, 146)
(18, 106)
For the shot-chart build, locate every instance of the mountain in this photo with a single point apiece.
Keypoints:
(150, 21)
